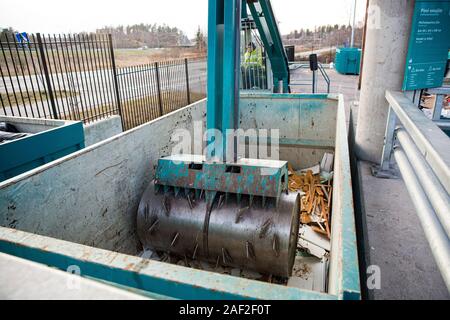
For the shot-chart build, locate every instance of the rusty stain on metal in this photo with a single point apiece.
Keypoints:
(129, 266)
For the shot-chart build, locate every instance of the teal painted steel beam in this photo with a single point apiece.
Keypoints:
(230, 114)
(270, 35)
(244, 12)
(223, 76)
(215, 69)
(158, 279)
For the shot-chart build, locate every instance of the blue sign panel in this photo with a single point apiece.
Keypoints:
(22, 37)
(429, 44)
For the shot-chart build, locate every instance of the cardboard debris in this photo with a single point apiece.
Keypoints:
(327, 162)
(307, 233)
(314, 169)
(315, 187)
(316, 195)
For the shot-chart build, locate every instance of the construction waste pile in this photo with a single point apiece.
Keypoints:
(428, 101)
(314, 185)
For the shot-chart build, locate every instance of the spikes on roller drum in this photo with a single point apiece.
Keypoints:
(240, 213)
(265, 228)
(146, 212)
(174, 240)
(250, 252)
(153, 226)
(226, 258)
(191, 205)
(276, 245)
(217, 262)
(194, 255)
(166, 205)
(221, 201)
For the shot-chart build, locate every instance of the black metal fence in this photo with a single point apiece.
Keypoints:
(74, 77)
(152, 90)
(58, 76)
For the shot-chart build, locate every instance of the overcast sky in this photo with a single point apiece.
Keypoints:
(63, 16)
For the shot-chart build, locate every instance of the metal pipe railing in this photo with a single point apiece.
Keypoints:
(438, 197)
(435, 234)
(422, 153)
(431, 141)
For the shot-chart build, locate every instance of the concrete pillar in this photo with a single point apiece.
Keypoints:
(388, 29)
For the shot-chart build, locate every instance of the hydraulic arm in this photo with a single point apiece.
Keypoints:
(264, 17)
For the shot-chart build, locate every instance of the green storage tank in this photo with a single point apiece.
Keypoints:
(348, 60)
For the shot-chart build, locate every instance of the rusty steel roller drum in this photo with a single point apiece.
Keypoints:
(246, 233)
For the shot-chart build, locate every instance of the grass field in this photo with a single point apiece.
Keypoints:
(138, 111)
(26, 62)
(133, 57)
(23, 99)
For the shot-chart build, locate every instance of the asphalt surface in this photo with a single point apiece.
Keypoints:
(95, 88)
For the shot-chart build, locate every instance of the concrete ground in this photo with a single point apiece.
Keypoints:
(22, 279)
(395, 241)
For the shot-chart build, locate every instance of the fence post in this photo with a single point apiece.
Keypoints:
(187, 81)
(47, 75)
(116, 82)
(159, 89)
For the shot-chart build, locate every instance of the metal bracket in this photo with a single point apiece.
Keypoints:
(384, 170)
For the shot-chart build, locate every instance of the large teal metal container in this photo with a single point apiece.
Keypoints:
(49, 140)
(348, 60)
(80, 210)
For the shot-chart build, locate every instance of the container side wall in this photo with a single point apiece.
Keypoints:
(91, 196)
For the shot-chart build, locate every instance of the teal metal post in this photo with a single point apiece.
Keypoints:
(223, 78)
(244, 12)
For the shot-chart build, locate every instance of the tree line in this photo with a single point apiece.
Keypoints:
(131, 36)
(325, 35)
(146, 35)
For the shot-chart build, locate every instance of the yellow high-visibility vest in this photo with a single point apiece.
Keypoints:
(253, 58)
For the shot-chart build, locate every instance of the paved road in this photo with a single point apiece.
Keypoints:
(305, 54)
(94, 88)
